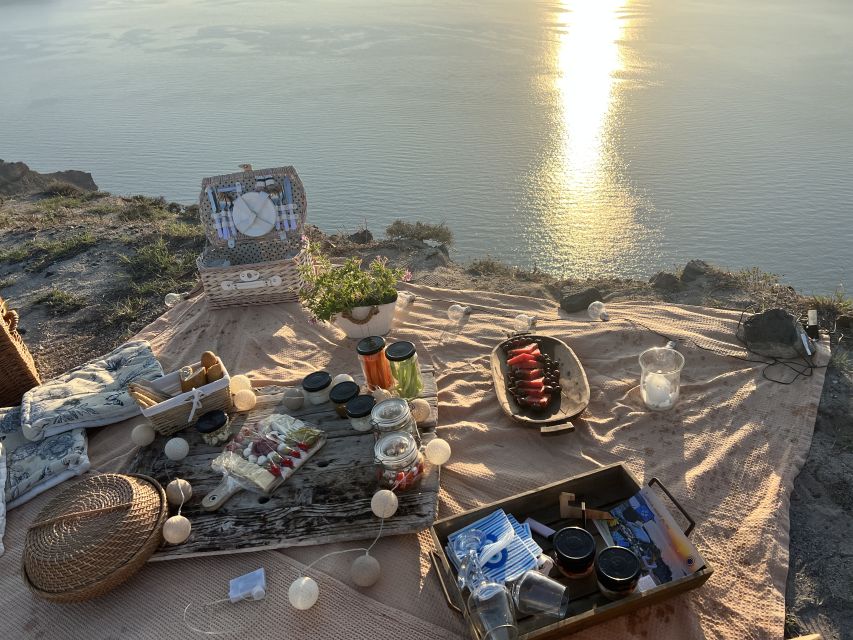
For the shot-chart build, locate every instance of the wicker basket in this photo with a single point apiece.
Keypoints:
(236, 269)
(94, 536)
(18, 372)
(177, 413)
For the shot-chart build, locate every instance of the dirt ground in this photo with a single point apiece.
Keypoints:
(86, 270)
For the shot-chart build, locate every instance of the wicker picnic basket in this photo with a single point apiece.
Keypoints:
(94, 536)
(183, 409)
(256, 262)
(18, 373)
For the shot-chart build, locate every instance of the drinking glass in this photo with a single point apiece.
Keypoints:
(535, 594)
(489, 603)
(660, 380)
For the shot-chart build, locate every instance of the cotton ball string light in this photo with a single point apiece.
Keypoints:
(239, 383)
(142, 435)
(384, 503)
(176, 529)
(365, 570)
(456, 312)
(420, 410)
(437, 452)
(178, 491)
(303, 593)
(245, 400)
(176, 449)
(342, 377)
(597, 311)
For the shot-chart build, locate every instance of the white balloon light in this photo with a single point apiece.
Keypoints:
(176, 449)
(437, 452)
(341, 377)
(303, 593)
(421, 410)
(142, 435)
(597, 311)
(456, 312)
(365, 570)
(178, 491)
(384, 503)
(176, 529)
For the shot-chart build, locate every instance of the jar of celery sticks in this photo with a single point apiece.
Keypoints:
(405, 369)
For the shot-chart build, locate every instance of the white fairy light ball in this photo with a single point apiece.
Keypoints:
(437, 452)
(142, 435)
(597, 311)
(239, 383)
(365, 570)
(384, 503)
(420, 410)
(303, 593)
(178, 491)
(524, 322)
(245, 400)
(341, 377)
(176, 529)
(176, 449)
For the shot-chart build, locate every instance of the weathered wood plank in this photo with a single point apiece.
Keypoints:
(327, 500)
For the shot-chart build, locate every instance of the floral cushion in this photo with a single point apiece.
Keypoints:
(34, 467)
(91, 395)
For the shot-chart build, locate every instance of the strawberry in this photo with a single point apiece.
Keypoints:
(275, 470)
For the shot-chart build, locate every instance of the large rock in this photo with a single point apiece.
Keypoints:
(17, 178)
(574, 299)
(666, 282)
(361, 237)
(694, 269)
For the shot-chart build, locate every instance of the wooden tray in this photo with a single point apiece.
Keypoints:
(327, 500)
(575, 389)
(600, 489)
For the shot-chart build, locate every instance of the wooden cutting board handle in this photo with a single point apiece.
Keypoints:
(223, 492)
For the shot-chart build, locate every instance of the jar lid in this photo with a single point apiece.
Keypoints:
(360, 406)
(574, 548)
(370, 345)
(617, 568)
(316, 381)
(396, 448)
(343, 392)
(402, 350)
(211, 421)
(390, 413)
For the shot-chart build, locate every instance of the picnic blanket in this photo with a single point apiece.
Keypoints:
(729, 451)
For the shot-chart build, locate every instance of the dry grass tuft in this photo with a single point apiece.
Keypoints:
(61, 302)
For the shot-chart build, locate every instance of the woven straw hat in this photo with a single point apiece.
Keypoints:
(94, 536)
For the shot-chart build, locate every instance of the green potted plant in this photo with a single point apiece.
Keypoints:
(358, 300)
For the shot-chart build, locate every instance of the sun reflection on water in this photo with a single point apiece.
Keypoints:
(588, 212)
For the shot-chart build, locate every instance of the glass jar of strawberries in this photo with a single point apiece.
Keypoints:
(399, 462)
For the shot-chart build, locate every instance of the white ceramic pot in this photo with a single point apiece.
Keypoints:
(378, 323)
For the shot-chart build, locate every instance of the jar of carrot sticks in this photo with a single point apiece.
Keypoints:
(405, 369)
(374, 364)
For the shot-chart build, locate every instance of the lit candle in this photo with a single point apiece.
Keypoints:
(657, 391)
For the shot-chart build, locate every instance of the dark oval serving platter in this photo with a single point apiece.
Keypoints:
(574, 394)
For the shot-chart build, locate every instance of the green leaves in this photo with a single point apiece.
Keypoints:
(330, 290)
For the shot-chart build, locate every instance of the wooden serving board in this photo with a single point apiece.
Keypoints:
(327, 500)
(573, 398)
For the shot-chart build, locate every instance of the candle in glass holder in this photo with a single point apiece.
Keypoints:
(657, 391)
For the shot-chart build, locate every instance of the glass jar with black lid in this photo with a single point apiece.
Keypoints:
(405, 369)
(359, 410)
(341, 394)
(316, 386)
